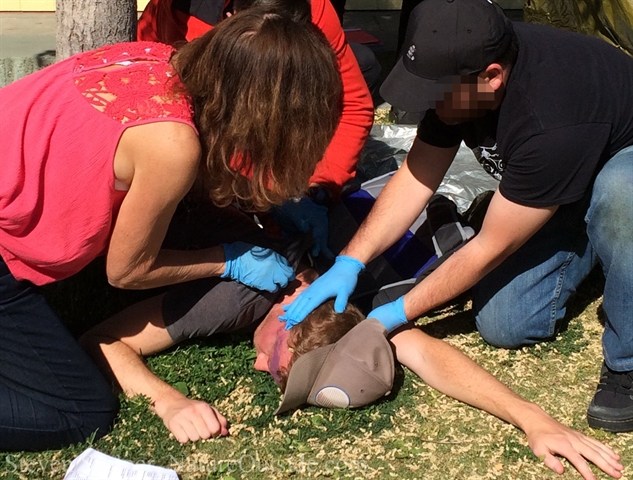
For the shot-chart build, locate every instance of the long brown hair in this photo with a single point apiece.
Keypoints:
(267, 98)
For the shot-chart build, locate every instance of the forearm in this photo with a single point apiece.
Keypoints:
(339, 162)
(170, 267)
(390, 217)
(127, 368)
(401, 201)
(506, 228)
(451, 372)
(457, 274)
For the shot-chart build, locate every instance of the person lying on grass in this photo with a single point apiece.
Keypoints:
(143, 329)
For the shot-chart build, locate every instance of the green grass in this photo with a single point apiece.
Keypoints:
(416, 432)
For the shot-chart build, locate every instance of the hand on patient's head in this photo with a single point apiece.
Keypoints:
(391, 315)
(323, 326)
(338, 282)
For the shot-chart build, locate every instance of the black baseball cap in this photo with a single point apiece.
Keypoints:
(445, 39)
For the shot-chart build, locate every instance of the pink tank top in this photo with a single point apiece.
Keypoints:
(59, 129)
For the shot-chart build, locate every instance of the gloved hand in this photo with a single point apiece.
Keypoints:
(391, 314)
(339, 281)
(305, 216)
(256, 267)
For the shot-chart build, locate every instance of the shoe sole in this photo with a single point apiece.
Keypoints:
(616, 426)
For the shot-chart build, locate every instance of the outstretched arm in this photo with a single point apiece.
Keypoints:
(396, 208)
(117, 346)
(453, 373)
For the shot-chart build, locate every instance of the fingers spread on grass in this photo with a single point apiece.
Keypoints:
(606, 449)
(552, 463)
(599, 454)
(576, 448)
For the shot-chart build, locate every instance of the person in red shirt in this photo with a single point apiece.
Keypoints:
(97, 153)
(175, 22)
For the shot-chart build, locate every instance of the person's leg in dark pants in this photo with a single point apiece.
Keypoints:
(51, 394)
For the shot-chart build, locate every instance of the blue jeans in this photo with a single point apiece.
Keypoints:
(523, 301)
(51, 393)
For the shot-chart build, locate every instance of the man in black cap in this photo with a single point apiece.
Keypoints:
(548, 113)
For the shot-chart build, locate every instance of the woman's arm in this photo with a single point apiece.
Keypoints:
(117, 346)
(339, 163)
(452, 373)
(159, 161)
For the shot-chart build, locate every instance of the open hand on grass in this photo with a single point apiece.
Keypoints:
(192, 420)
(549, 439)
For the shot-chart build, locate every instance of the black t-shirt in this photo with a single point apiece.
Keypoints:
(567, 109)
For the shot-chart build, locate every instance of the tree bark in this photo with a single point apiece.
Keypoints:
(87, 24)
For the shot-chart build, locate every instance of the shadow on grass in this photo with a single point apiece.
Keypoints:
(460, 321)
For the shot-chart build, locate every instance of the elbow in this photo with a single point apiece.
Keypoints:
(120, 283)
(129, 274)
(125, 279)
(91, 343)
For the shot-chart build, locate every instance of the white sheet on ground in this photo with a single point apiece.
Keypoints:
(94, 465)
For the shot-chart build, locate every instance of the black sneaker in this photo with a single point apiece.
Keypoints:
(612, 406)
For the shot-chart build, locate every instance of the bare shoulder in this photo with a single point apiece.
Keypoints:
(168, 145)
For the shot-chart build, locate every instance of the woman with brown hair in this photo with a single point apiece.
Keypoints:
(176, 22)
(98, 150)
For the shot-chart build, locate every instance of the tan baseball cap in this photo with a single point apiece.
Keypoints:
(353, 372)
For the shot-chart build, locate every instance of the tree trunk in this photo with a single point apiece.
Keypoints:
(87, 24)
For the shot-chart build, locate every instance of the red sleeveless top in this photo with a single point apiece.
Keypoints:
(59, 129)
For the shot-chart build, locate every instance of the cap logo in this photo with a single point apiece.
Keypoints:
(411, 53)
(332, 397)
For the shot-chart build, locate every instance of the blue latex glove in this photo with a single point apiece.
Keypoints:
(256, 267)
(339, 281)
(305, 216)
(391, 314)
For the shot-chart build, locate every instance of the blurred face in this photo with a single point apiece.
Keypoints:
(461, 99)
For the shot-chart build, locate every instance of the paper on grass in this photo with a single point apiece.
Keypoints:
(94, 465)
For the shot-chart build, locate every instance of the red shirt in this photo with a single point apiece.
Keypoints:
(60, 128)
(160, 22)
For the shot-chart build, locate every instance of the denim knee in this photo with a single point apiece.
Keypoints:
(502, 332)
(610, 215)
